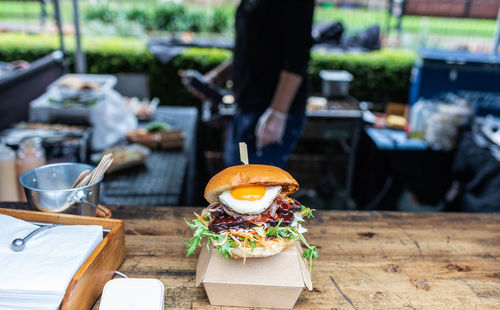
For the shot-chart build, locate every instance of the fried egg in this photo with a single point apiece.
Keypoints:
(249, 199)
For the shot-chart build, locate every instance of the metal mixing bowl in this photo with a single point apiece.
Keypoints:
(48, 188)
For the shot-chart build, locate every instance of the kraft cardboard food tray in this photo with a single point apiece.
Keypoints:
(88, 282)
(271, 282)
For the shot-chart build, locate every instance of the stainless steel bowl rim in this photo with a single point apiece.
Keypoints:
(58, 190)
(336, 76)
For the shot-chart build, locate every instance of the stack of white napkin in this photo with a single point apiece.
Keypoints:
(38, 276)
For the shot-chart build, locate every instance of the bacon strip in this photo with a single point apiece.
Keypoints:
(224, 218)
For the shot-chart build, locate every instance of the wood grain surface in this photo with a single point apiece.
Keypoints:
(377, 260)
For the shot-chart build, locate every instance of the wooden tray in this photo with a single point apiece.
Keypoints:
(88, 282)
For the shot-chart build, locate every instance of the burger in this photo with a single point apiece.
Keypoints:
(250, 214)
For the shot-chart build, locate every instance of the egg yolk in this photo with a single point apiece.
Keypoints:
(249, 193)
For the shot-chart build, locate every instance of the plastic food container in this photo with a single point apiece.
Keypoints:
(335, 84)
(105, 81)
(133, 294)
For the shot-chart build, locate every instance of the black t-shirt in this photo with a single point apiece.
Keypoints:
(271, 36)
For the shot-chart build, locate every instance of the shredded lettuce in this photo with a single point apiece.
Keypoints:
(225, 245)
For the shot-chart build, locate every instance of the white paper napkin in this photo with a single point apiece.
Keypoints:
(37, 277)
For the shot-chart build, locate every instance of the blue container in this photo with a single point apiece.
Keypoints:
(440, 71)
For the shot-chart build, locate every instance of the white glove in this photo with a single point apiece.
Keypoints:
(270, 128)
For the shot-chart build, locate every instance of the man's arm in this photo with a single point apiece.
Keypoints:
(288, 85)
(220, 74)
(296, 24)
(217, 76)
(271, 125)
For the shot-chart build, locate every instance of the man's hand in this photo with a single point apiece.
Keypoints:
(271, 125)
(217, 76)
(192, 90)
(270, 128)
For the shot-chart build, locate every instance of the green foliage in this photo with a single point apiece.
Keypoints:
(202, 59)
(167, 17)
(311, 252)
(101, 13)
(291, 232)
(224, 244)
(307, 214)
(143, 17)
(157, 126)
(219, 21)
(196, 21)
(278, 231)
(175, 17)
(379, 76)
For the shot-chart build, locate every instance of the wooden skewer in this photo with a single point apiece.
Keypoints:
(101, 168)
(105, 165)
(85, 180)
(243, 153)
(80, 178)
(108, 164)
(96, 174)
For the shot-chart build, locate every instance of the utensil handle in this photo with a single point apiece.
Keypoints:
(34, 232)
(88, 203)
(99, 213)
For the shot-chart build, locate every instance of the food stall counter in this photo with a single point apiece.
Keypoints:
(367, 260)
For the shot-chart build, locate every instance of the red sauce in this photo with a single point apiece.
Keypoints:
(284, 212)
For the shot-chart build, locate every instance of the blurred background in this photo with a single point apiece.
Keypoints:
(422, 101)
(412, 24)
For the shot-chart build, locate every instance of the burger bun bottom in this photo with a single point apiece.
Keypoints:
(273, 247)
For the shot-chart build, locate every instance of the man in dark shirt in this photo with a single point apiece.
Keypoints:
(270, 61)
(272, 37)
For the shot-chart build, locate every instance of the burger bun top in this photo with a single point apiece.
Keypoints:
(245, 175)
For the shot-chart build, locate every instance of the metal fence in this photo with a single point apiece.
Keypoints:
(446, 24)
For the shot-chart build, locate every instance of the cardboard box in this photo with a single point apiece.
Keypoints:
(271, 282)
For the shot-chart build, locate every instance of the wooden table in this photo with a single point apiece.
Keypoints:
(377, 260)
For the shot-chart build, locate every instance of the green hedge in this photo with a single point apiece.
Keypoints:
(379, 76)
(167, 17)
(117, 55)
